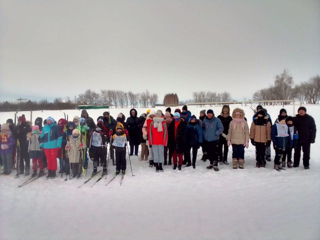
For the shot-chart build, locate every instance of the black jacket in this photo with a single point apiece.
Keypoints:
(133, 128)
(225, 122)
(23, 130)
(306, 128)
(171, 141)
(140, 125)
(180, 139)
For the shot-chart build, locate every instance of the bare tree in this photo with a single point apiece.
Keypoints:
(153, 99)
(89, 97)
(225, 97)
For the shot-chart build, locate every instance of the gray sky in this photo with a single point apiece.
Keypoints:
(61, 48)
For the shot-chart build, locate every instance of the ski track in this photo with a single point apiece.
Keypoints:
(189, 204)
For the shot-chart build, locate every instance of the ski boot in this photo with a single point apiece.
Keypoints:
(179, 167)
(34, 174)
(210, 166)
(123, 172)
(188, 164)
(151, 163)
(117, 172)
(157, 167)
(174, 166)
(53, 174)
(306, 167)
(41, 173)
(94, 171)
(160, 167)
(104, 171)
(27, 172)
(49, 174)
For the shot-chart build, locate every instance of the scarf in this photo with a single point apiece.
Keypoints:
(158, 123)
(238, 120)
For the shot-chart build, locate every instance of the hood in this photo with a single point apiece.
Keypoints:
(84, 112)
(135, 112)
(238, 110)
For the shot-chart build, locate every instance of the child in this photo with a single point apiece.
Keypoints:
(144, 147)
(171, 141)
(7, 142)
(62, 123)
(193, 137)
(225, 119)
(119, 142)
(158, 138)
(84, 130)
(145, 132)
(294, 139)
(75, 147)
(35, 153)
(238, 137)
(281, 139)
(260, 135)
(70, 127)
(180, 126)
(98, 148)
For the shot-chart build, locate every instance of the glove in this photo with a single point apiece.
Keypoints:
(229, 143)
(67, 147)
(246, 144)
(268, 143)
(252, 142)
(145, 137)
(81, 145)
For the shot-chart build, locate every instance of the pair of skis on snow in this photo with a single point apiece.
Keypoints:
(30, 180)
(114, 177)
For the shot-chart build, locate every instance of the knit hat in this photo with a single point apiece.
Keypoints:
(280, 118)
(22, 119)
(259, 107)
(10, 121)
(35, 128)
(71, 124)
(193, 117)
(119, 126)
(100, 118)
(148, 111)
(177, 110)
(176, 114)
(76, 118)
(302, 108)
(5, 127)
(62, 122)
(152, 112)
(210, 111)
(106, 113)
(75, 132)
(50, 119)
(143, 115)
(203, 111)
(158, 113)
(289, 118)
(168, 109)
(82, 121)
(185, 107)
(283, 111)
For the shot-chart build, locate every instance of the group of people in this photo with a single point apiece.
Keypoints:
(165, 139)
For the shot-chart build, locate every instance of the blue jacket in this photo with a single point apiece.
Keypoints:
(193, 135)
(187, 114)
(280, 142)
(212, 128)
(51, 137)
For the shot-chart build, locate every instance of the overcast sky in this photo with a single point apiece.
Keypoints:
(61, 48)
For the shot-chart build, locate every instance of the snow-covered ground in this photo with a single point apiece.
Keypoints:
(189, 204)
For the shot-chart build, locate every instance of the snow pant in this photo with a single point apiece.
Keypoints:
(158, 153)
(150, 157)
(98, 155)
(176, 155)
(188, 154)
(144, 151)
(76, 170)
(7, 162)
(166, 149)
(280, 156)
(36, 161)
(238, 151)
(212, 150)
(121, 160)
(289, 154)
(136, 149)
(260, 150)
(306, 154)
(52, 158)
(223, 149)
(24, 157)
(268, 152)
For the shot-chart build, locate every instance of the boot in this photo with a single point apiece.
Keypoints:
(257, 164)
(184, 162)
(268, 158)
(194, 164)
(160, 167)
(41, 173)
(306, 167)
(277, 167)
(179, 167)
(151, 163)
(94, 171)
(241, 164)
(210, 166)
(188, 164)
(215, 168)
(104, 170)
(157, 167)
(123, 172)
(49, 174)
(225, 162)
(263, 164)
(165, 162)
(235, 164)
(170, 162)
(174, 166)
(204, 157)
(283, 164)
(289, 164)
(53, 174)
(34, 174)
(27, 172)
(117, 172)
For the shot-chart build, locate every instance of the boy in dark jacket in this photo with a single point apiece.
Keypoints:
(294, 139)
(193, 139)
(186, 113)
(225, 119)
(23, 129)
(119, 142)
(281, 139)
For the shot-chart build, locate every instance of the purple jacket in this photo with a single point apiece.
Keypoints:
(10, 143)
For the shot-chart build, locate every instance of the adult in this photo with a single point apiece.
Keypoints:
(144, 147)
(225, 119)
(23, 129)
(51, 141)
(38, 122)
(133, 129)
(89, 120)
(145, 134)
(212, 128)
(282, 113)
(14, 135)
(186, 113)
(306, 128)
(201, 118)
(202, 115)
(171, 141)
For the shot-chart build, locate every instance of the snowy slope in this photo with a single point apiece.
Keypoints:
(191, 204)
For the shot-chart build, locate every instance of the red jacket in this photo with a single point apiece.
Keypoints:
(156, 137)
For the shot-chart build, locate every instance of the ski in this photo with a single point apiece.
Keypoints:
(111, 180)
(30, 180)
(89, 179)
(102, 175)
(122, 177)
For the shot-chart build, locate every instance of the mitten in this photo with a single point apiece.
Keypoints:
(67, 147)
(81, 144)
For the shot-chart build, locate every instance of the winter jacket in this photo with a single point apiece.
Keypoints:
(193, 134)
(9, 141)
(158, 137)
(23, 130)
(225, 122)
(187, 115)
(260, 130)
(109, 122)
(171, 135)
(146, 127)
(51, 137)
(238, 132)
(306, 128)
(280, 142)
(89, 120)
(212, 128)
(133, 128)
(179, 136)
(140, 125)
(74, 148)
(34, 146)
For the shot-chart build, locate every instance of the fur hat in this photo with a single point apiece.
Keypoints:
(302, 108)
(210, 111)
(75, 132)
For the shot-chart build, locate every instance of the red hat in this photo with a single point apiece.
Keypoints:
(22, 119)
(62, 122)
